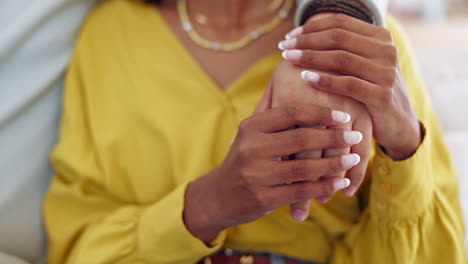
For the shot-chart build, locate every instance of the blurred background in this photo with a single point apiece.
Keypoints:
(438, 30)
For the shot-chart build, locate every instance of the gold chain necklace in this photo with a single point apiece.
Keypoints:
(282, 14)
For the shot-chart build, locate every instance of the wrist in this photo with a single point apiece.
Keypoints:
(197, 215)
(407, 147)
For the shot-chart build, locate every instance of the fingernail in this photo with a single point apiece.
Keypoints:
(299, 215)
(309, 76)
(340, 117)
(350, 160)
(350, 191)
(287, 44)
(295, 32)
(341, 183)
(292, 55)
(352, 137)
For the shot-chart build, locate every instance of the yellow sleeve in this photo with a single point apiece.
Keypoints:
(88, 221)
(413, 214)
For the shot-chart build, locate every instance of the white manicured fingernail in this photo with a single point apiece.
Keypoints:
(350, 160)
(292, 55)
(295, 32)
(287, 44)
(352, 137)
(310, 76)
(341, 183)
(299, 215)
(340, 117)
(280, 46)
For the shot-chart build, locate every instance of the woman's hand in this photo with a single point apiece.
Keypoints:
(252, 181)
(367, 59)
(288, 88)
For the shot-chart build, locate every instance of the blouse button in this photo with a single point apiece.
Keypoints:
(383, 169)
(386, 187)
(382, 205)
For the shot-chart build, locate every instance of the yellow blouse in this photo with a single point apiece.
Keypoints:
(142, 120)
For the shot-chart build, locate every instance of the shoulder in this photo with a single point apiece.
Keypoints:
(114, 16)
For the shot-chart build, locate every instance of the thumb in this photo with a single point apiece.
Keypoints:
(300, 210)
(265, 102)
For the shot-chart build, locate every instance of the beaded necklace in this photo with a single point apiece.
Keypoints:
(187, 26)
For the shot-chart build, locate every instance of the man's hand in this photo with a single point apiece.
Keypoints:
(367, 60)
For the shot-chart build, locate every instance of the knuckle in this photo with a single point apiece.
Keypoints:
(391, 77)
(324, 113)
(392, 54)
(309, 24)
(338, 36)
(304, 41)
(293, 112)
(384, 34)
(334, 164)
(246, 150)
(388, 35)
(326, 81)
(340, 20)
(301, 194)
(385, 96)
(245, 124)
(259, 201)
(335, 137)
(298, 172)
(308, 58)
(299, 137)
(326, 189)
(353, 86)
(291, 109)
(342, 60)
(248, 176)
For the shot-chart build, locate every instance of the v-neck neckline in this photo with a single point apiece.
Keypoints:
(197, 67)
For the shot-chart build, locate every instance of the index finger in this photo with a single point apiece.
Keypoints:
(282, 118)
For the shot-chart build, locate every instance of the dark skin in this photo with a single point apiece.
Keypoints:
(352, 60)
(366, 59)
(251, 181)
(299, 91)
(201, 215)
(228, 20)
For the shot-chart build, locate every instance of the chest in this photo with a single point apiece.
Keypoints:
(224, 68)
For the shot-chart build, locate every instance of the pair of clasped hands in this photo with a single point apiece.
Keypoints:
(340, 74)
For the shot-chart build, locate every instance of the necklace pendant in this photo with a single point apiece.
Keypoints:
(255, 34)
(187, 26)
(283, 13)
(201, 19)
(216, 46)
